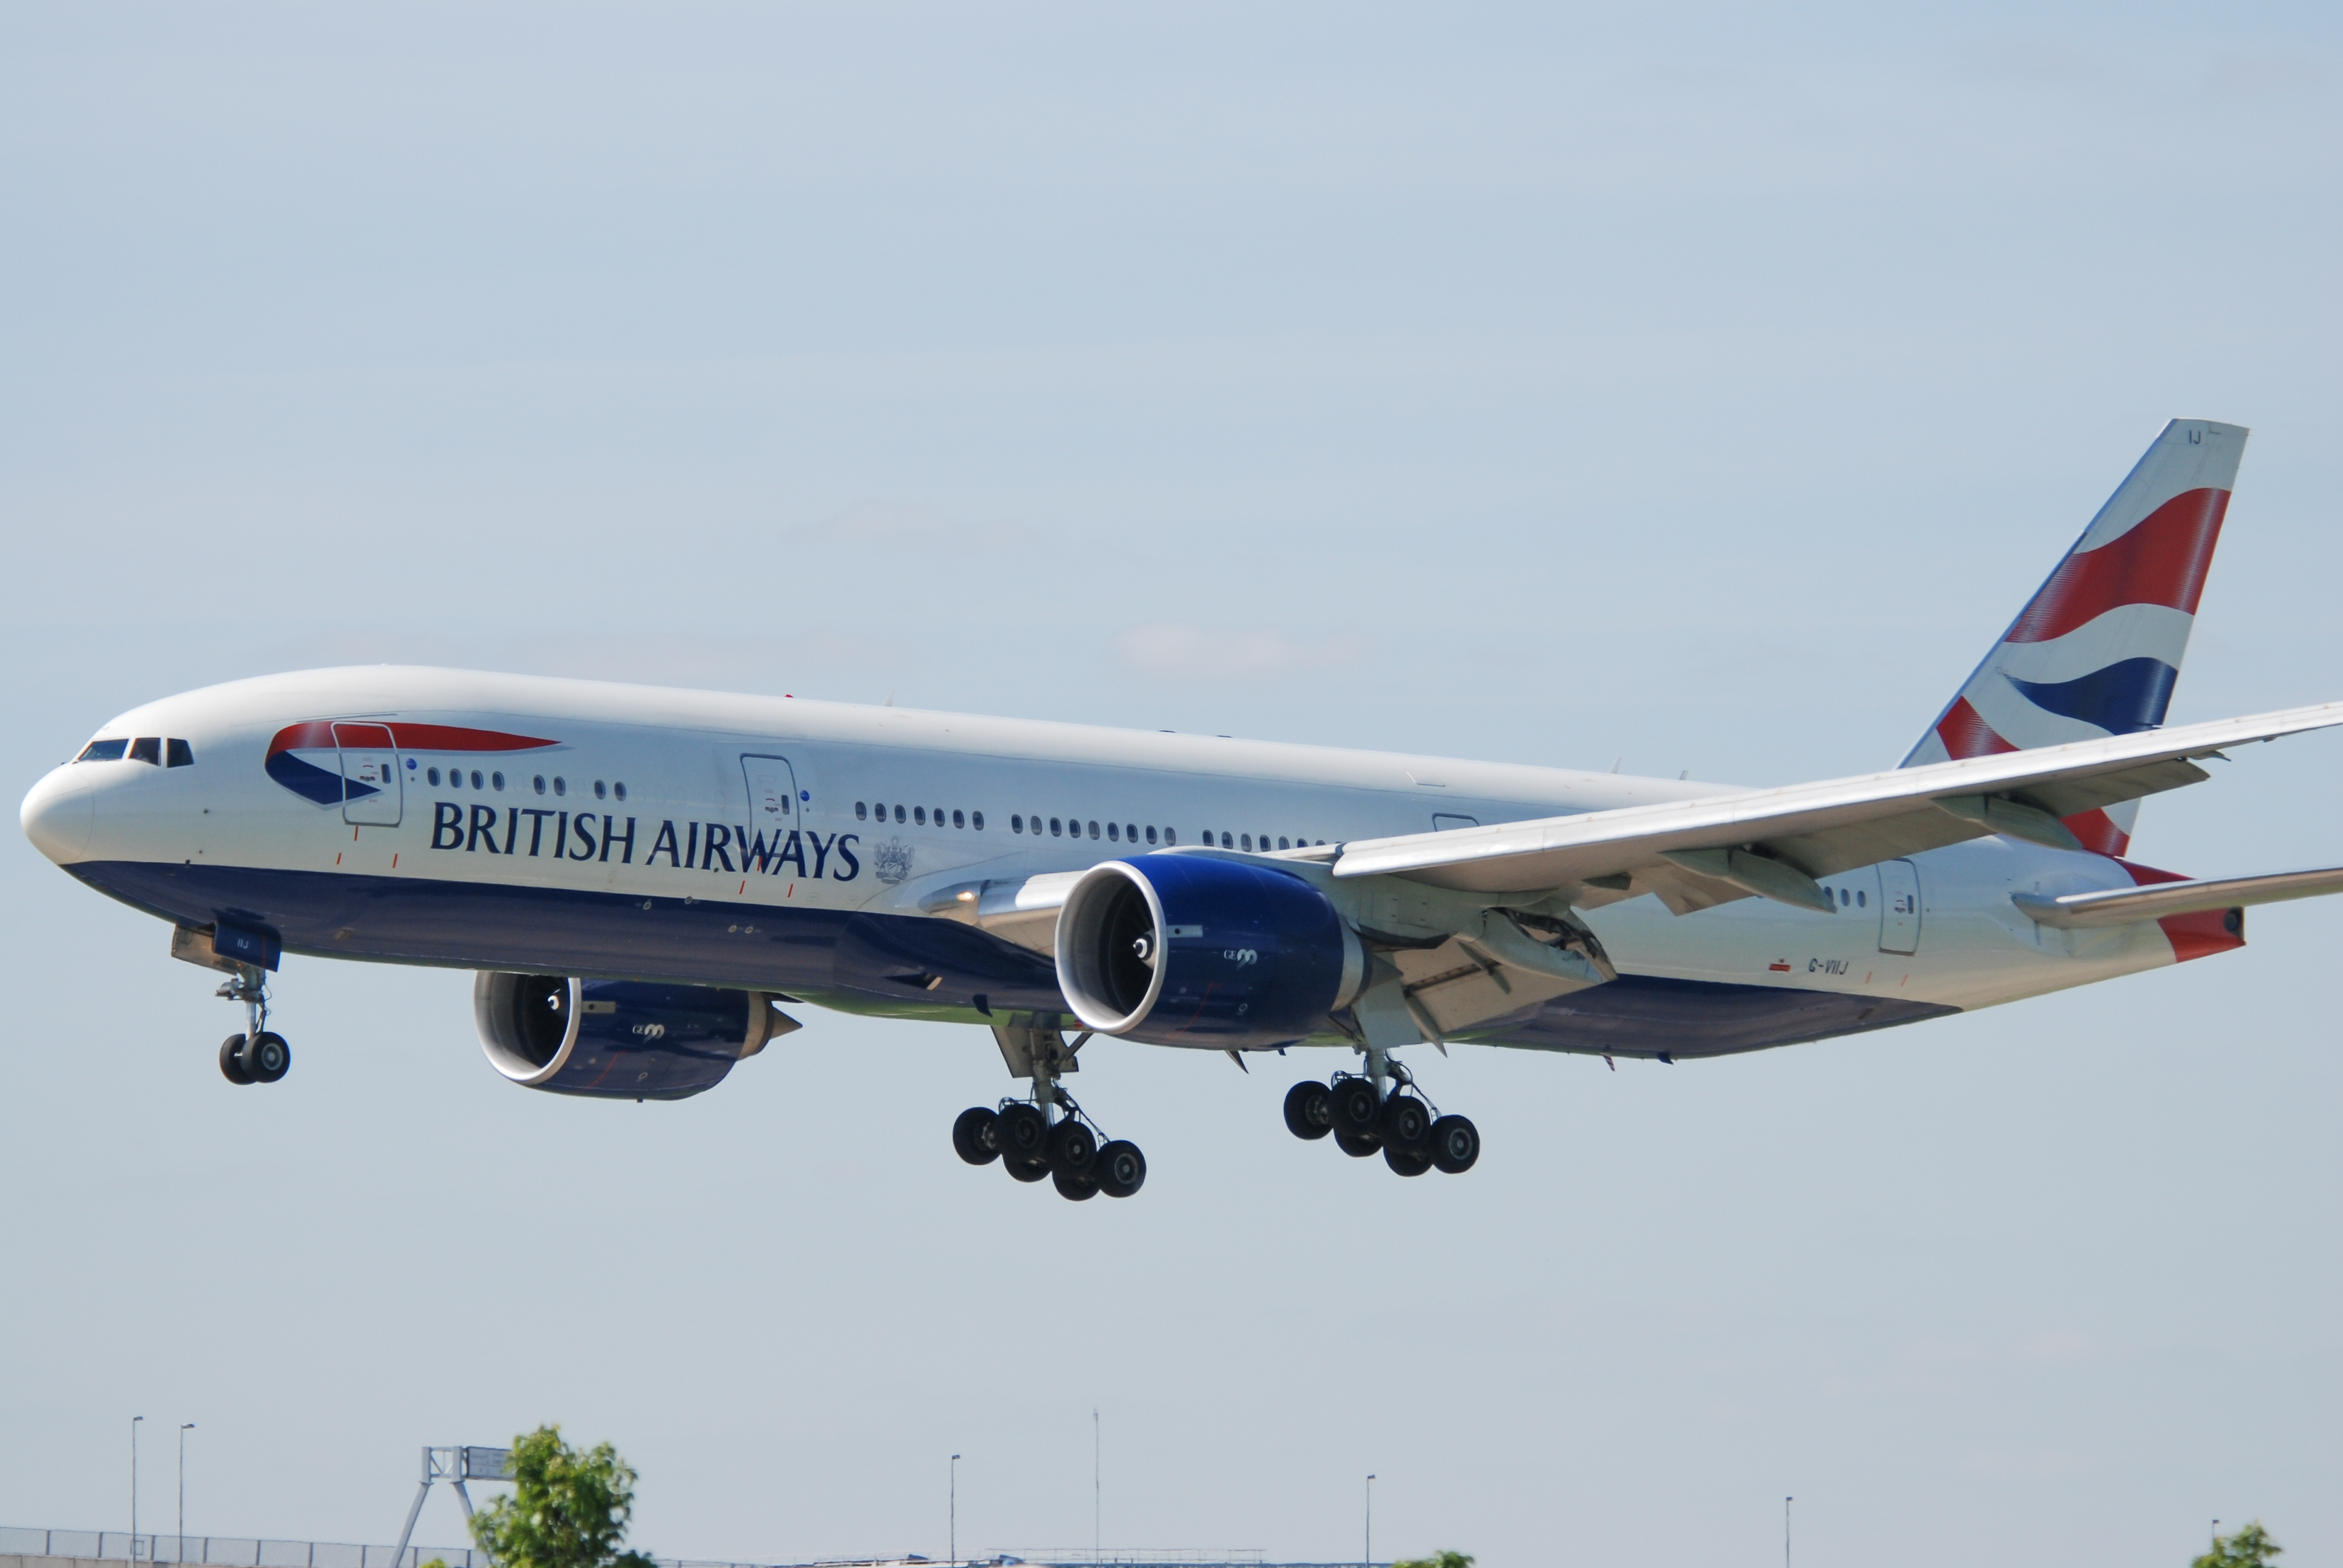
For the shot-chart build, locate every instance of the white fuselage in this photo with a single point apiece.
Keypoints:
(540, 864)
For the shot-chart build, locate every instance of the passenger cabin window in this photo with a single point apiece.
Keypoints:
(1114, 831)
(1017, 821)
(862, 810)
(148, 748)
(619, 790)
(433, 774)
(599, 790)
(920, 815)
(976, 820)
(958, 821)
(103, 752)
(1151, 835)
(560, 785)
(1053, 827)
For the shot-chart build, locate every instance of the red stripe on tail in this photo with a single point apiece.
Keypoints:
(2196, 936)
(2162, 560)
(1966, 734)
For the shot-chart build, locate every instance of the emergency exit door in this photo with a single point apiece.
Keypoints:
(773, 803)
(370, 783)
(1899, 907)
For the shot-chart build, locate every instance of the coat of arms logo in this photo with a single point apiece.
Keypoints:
(892, 861)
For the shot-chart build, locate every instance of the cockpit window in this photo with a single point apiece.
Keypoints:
(180, 753)
(103, 752)
(148, 748)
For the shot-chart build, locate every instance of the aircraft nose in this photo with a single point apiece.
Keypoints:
(59, 814)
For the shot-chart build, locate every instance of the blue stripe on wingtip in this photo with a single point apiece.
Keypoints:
(2123, 699)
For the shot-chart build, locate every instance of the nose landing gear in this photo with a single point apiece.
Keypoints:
(1381, 1110)
(255, 1055)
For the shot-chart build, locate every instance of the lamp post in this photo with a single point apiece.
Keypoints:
(133, 1486)
(1369, 1546)
(179, 1548)
(1785, 1531)
(952, 1550)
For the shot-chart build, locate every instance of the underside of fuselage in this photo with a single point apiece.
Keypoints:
(903, 966)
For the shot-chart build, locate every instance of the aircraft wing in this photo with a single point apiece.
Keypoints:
(2126, 906)
(1773, 843)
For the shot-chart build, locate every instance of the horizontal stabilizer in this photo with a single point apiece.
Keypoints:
(2129, 906)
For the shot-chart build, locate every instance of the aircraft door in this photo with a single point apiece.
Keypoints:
(773, 803)
(370, 781)
(1899, 907)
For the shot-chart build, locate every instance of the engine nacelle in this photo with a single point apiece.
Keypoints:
(619, 1039)
(1189, 950)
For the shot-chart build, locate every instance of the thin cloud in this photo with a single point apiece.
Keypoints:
(1170, 650)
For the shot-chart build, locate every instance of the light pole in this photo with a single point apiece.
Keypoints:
(1368, 1548)
(952, 1550)
(133, 1486)
(179, 1549)
(1785, 1531)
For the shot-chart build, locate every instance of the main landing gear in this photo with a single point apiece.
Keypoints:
(1049, 1136)
(255, 1055)
(1364, 1115)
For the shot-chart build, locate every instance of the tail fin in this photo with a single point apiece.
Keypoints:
(2098, 649)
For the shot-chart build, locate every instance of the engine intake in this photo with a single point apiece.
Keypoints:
(1191, 950)
(619, 1039)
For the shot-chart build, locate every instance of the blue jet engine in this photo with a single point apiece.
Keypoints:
(1192, 950)
(619, 1039)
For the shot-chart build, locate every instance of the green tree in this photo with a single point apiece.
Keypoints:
(569, 1509)
(2249, 1548)
(1438, 1559)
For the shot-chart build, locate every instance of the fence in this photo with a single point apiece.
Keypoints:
(227, 1550)
(246, 1551)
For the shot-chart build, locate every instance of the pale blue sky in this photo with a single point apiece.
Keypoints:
(1686, 386)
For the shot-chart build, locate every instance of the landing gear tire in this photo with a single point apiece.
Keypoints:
(1120, 1168)
(1076, 1188)
(1406, 1161)
(1024, 1169)
(1455, 1144)
(1357, 1145)
(1024, 1133)
(232, 1059)
(976, 1136)
(1405, 1123)
(1309, 1110)
(1073, 1149)
(1357, 1106)
(265, 1057)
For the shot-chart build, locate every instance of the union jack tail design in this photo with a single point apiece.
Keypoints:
(2098, 649)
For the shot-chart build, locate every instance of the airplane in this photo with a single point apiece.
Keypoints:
(640, 877)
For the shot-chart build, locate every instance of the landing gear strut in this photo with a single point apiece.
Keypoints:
(255, 1055)
(1380, 1109)
(1048, 1135)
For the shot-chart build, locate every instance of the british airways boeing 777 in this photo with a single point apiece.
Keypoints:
(642, 878)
